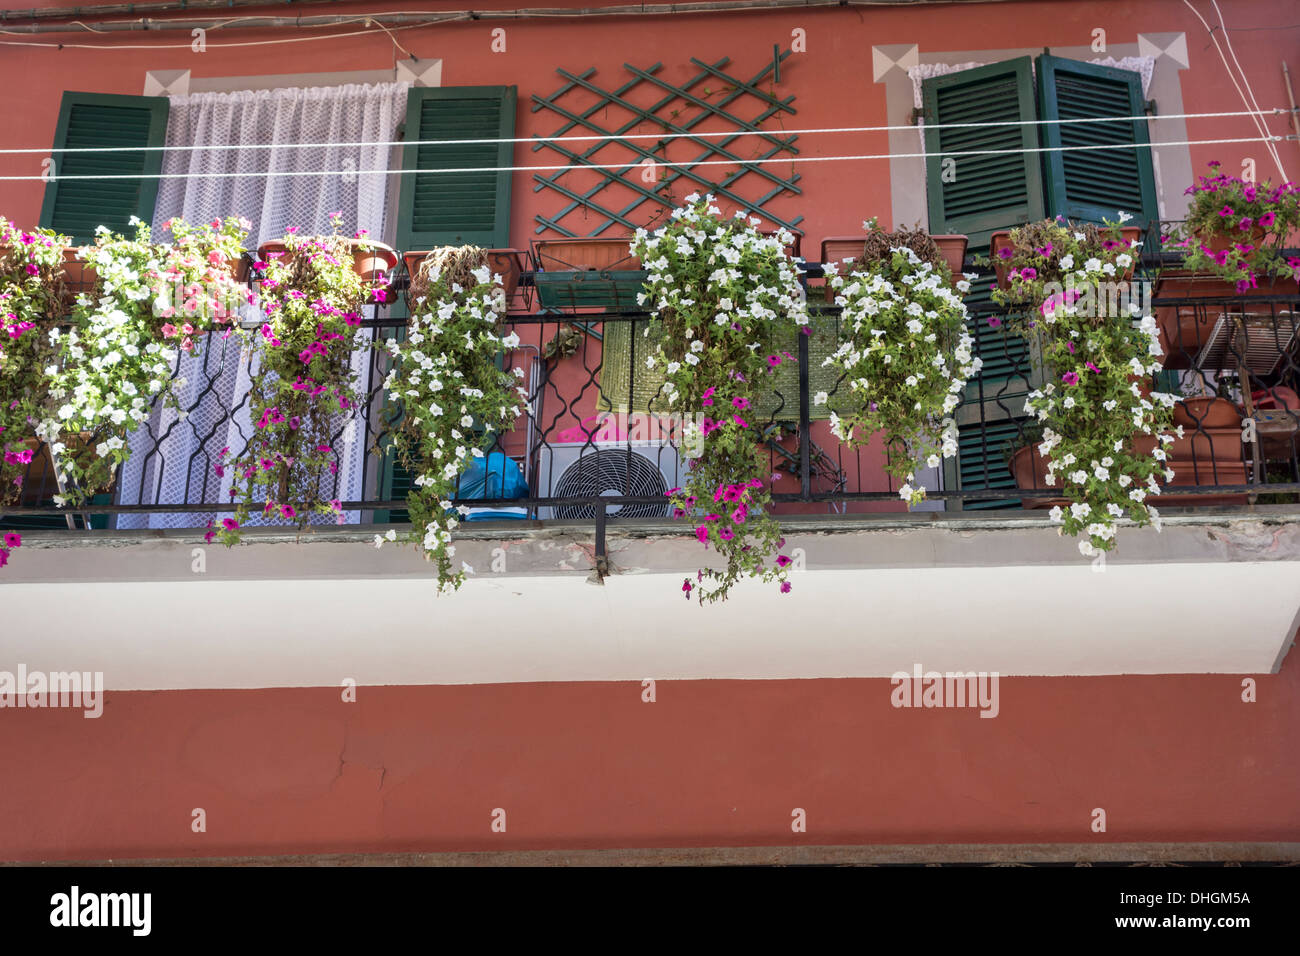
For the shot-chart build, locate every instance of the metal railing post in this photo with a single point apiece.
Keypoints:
(805, 426)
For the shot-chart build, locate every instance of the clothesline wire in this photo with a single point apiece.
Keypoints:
(627, 137)
(688, 164)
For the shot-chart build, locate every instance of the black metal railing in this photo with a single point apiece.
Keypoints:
(595, 445)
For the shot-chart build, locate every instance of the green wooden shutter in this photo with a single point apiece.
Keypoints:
(76, 206)
(981, 461)
(993, 190)
(1088, 185)
(1006, 365)
(439, 209)
(993, 402)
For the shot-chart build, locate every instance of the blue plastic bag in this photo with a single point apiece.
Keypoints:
(493, 476)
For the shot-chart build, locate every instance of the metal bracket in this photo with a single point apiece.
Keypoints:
(602, 557)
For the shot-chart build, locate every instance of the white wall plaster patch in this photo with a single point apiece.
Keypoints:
(421, 73)
(886, 58)
(166, 82)
(1171, 45)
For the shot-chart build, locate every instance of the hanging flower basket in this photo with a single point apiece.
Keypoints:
(373, 261)
(586, 255)
(592, 273)
(1002, 249)
(836, 249)
(507, 263)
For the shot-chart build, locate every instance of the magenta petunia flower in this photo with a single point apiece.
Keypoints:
(13, 540)
(726, 534)
(702, 532)
(1070, 378)
(230, 524)
(1267, 219)
(773, 361)
(740, 403)
(785, 587)
(1093, 368)
(782, 560)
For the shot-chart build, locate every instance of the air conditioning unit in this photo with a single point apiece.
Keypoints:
(578, 469)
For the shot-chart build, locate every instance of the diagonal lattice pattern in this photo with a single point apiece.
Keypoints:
(710, 101)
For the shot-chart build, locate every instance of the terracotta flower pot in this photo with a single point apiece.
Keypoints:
(1217, 240)
(1209, 456)
(838, 248)
(507, 263)
(1207, 412)
(583, 255)
(1200, 445)
(1030, 471)
(374, 265)
(1185, 327)
(238, 266)
(77, 273)
(1002, 240)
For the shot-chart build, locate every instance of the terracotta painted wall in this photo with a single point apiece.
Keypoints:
(832, 81)
(709, 763)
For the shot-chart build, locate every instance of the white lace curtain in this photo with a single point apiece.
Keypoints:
(214, 399)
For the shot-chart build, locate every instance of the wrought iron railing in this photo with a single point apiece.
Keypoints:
(593, 446)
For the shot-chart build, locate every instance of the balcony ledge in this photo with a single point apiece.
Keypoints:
(1215, 592)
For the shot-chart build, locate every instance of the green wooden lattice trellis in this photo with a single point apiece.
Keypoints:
(714, 179)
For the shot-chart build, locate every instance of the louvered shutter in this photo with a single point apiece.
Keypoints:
(993, 190)
(76, 206)
(982, 463)
(1089, 185)
(1006, 366)
(440, 209)
(993, 401)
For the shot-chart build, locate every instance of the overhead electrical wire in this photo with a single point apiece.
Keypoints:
(628, 137)
(686, 164)
(186, 46)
